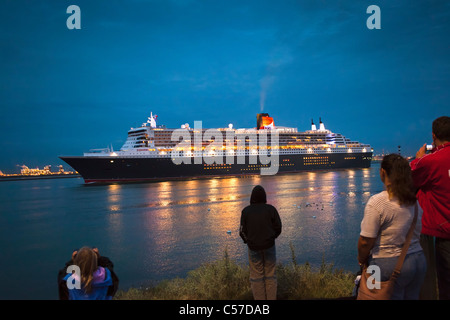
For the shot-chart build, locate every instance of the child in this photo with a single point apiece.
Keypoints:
(96, 282)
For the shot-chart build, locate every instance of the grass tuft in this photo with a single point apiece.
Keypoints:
(226, 280)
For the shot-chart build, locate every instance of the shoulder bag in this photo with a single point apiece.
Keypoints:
(383, 290)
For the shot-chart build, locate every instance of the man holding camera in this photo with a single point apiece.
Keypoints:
(431, 174)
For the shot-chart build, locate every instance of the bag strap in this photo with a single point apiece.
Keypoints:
(401, 259)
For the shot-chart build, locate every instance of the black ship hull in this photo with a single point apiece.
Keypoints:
(127, 169)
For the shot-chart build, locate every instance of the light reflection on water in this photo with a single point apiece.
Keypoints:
(162, 230)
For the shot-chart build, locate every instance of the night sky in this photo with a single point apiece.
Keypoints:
(63, 92)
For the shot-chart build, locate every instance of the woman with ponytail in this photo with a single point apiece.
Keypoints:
(387, 218)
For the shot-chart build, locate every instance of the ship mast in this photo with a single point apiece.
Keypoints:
(152, 120)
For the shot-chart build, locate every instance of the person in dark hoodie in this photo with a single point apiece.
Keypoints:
(260, 226)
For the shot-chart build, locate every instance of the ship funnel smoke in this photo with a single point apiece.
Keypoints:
(279, 58)
(262, 101)
(266, 82)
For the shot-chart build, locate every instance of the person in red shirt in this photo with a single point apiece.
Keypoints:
(431, 175)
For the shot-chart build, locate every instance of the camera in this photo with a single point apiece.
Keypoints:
(429, 148)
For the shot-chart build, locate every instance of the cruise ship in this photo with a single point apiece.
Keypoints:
(153, 152)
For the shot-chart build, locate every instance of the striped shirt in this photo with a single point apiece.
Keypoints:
(387, 221)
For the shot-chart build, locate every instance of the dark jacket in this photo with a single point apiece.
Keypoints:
(260, 222)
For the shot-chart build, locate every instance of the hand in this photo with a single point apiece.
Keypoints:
(362, 262)
(96, 251)
(422, 151)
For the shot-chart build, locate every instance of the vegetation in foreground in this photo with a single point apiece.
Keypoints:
(226, 280)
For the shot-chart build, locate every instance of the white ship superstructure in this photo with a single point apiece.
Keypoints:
(151, 140)
(153, 152)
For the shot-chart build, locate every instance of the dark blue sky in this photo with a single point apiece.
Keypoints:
(63, 92)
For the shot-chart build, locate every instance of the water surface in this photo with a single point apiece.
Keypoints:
(154, 231)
